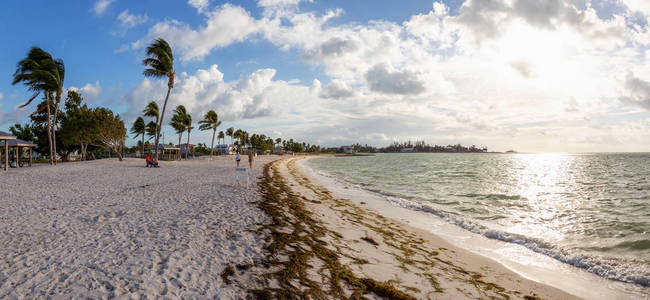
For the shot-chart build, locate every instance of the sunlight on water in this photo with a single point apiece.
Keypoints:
(589, 210)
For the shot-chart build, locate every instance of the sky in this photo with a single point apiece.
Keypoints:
(555, 75)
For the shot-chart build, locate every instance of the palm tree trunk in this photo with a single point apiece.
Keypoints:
(187, 154)
(49, 128)
(180, 135)
(142, 144)
(56, 112)
(162, 116)
(212, 146)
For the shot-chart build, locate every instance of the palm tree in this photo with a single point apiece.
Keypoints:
(138, 129)
(210, 121)
(221, 136)
(151, 130)
(152, 111)
(159, 64)
(187, 121)
(179, 126)
(42, 74)
(238, 135)
(229, 133)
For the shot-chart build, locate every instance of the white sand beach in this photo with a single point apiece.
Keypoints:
(101, 229)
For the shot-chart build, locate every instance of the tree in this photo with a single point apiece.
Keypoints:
(79, 127)
(221, 136)
(152, 111)
(111, 131)
(139, 129)
(158, 64)
(238, 135)
(178, 124)
(22, 132)
(187, 121)
(278, 141)
(229, 133)
(210, 121)
(42, 74)
(151, 129)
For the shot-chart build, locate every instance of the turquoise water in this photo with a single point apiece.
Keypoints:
(588, 210)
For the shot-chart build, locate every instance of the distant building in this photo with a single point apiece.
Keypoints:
(348, 149)
(407, 150)
(224, 149)
(185, 147)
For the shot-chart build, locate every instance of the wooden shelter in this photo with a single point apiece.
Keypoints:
(173, 153)
(20, 147)
(4, 137)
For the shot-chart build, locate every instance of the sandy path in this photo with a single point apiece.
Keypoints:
(107, 228)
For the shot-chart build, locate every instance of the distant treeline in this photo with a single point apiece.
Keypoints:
(418, 146)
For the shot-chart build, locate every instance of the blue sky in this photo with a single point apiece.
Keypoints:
(563, 75)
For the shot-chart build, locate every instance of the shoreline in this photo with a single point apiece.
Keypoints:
(393, 253)
(516, 258)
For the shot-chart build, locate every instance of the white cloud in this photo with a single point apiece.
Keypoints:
(336, 90)
(638, 5)
(381, 78)
(101, 5)
(510, 73)
(127, 20)
(200, 5)
(635, 91)
(1, 96)
(90, 92)
(225, 25)
(267, 3)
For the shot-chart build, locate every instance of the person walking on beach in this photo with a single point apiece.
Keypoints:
(237, 158)
(250, 159)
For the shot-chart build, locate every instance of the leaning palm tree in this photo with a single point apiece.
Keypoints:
(187, 121)
(179, 126)
(229, 133)
(221, 136)
(42, 74)
(210, 121)
(160, 63)
(138, 129)
(151, 130)
(152, 111)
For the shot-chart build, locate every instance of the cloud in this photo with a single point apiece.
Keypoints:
(495, 72)
(101, 5)
(200, 5)
(336, 90)
(90, 92)
(525, 68)
(1, 96)
(635, 91)
(225, 25)
(267, 3)
(253, 96)
(127, 20)
(381, 78)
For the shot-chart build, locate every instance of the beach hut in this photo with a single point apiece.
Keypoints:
(172, 152)
(20, 147)
(4, 137)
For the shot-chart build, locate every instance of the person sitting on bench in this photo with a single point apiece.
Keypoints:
(150, 162)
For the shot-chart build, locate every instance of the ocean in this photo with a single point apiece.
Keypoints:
(588, 210)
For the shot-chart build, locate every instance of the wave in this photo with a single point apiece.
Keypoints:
(625, 270)
(631, 271)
